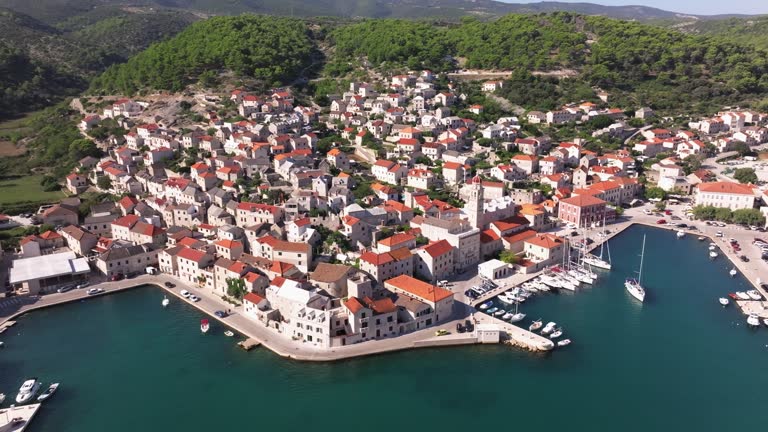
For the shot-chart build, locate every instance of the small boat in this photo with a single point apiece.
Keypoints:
(204, 326)
(733, 272)
(733, 296)
(228, 333)
(713, 255)
(517, 317)
(724, 301)
(486, 305)
(2, 398)
(535, 325)
(753, 320)
(492, 310)
(549, 328)
(499, 313)
(48, 392)
(165, 301)
(27, 390)
(754, 295)
(507, 316)
(701, 239)
(742, 295)
(2, 344)
(556, 334)
(680, 234)
(564, 342)
(712, 247)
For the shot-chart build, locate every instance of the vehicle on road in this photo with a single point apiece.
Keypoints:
(65, 288)
(661, 221)
(220, 314)
(118, 277)
(94, 291)
(185, 293)
(170, 285)
(194, 298)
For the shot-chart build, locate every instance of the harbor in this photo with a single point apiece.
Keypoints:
(16, 419)
(618, 344)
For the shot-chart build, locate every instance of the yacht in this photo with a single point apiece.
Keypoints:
(752, 320)
(549, 328)
(581, 277)
(204, 325)
(724, 301)
(2, 398)
(27, 390)
(566, 284)
(754, 295)
(680, 234)
(551, 281)
(486, 305)
(733, 272)
(713, 254)
(742, 295)
(564, 342)
(633, 285)
(535, 325)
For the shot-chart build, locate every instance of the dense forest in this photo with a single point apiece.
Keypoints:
(751, 31)
(639, 64)
(270, 49)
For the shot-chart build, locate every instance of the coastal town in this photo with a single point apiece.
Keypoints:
(361, 226)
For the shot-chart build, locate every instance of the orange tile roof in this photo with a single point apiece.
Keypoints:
(253, 298)
(547, 241)
(582, 201)
(397, 239)
(376, 258)
(419, 289)
(438, 248)
(354, 305)
(727, 188)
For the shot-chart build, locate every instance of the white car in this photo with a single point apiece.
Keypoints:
(194, 298)
(94, 291)
(185, 293)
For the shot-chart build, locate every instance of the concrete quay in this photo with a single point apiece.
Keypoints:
(518, 336)
(278, 343)
(25, 413)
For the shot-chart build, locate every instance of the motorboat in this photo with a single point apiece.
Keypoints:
(713, 254)
(753, 320)
(701, 239)
(48, 392)
(754, 295)
(165, 302)
(486, 305)
(564, 342)
(492, 310)
(27, 390)
(549, 328)
(228, 333)
(517, 317)
(742, 295)
(507, 316)
(724, 301)
(535, 325)
(2, 398)
(499, 313)
(556, 334)
(680, 234)
(733, 272)
(204, 325)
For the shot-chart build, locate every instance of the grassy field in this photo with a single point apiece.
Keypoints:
(23, 190)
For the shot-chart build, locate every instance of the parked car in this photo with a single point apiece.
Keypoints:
(194, 298)
(220, 314)
(83, 285)
(170, 285)
(661, 221)
(94, 291)
(744, 258)
(118, 277)
(667, 212)
(65, 288)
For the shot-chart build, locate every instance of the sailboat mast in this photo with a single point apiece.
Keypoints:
(642, 254)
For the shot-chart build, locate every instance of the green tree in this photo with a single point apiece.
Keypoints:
(509, 257)
(745, 175)
(704, 212)
(723, 214)
(748, 217)
(655, 193)
(104, 183)
(236, 288)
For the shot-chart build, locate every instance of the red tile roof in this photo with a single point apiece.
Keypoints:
(727, 188)
(419, 289)
(253, 298)
(438, 249)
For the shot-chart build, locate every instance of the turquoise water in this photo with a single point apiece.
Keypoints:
(679, 361)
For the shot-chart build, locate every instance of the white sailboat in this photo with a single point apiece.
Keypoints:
(598, 261)
(535, 325)
(633, 286)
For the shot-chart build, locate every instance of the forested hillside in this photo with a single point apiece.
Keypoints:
(744, 31)
(266, 48)
(639, 63)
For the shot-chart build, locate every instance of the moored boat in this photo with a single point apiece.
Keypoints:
(228, 333)
(733, 272)
(492, 310)
(556, 334)
(754, 295)
(517, 317)
(713, 254)
(486, 305)
(499, 313)
(549, 328)
(2, 398)
(680, 234)
(733, 296)
(165, 301)
(27, 390)
(48, 392)
(724, 301)
(753, 320)
(204, 325)
(701, 239)
(564, 342)
(535, 325)
(742, 295)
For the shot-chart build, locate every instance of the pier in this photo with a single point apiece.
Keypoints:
(518, 336)
(22, 415)
(248, 344)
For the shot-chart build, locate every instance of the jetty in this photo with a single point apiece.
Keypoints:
(248, 344)
(517, 336)
(16, 419)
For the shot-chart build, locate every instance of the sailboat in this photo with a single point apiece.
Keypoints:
(517, 316)
(204, 326)
(633, 285)
(598, 261)
(165, 301)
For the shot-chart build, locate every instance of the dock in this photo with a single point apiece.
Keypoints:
(248, 344)
(6, 325)
(22, 414)
(518, 336)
